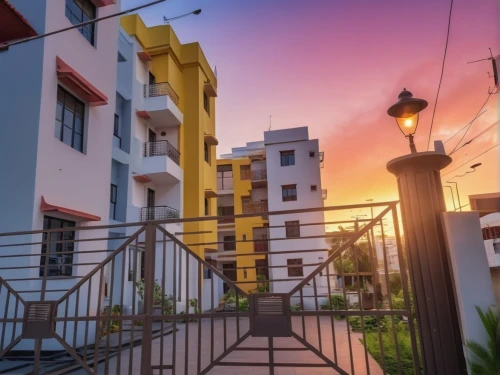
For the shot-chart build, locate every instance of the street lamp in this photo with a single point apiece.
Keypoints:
(406, 111)
(166, 20)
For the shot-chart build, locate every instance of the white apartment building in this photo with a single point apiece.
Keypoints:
(57, 106)
(146, 177)
(285, 170)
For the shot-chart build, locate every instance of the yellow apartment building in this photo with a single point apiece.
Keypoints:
(182, 72)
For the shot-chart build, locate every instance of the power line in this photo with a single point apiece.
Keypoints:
(5, 47)
(468, 161)
(470, 124)
(477, 136)
(453, 136)
(442, 73)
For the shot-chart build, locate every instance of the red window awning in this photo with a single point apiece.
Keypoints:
(142, 178)
(44, 207)
(75, 82)
(12, 24)
(103, 3)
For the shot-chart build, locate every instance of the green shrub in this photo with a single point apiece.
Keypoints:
(337, 302)
(390, 357)
(243, 305)
(297, 307)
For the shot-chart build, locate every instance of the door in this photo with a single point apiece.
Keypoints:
(151, 148)
(151, 204)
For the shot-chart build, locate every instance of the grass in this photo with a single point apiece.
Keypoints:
(390, 357)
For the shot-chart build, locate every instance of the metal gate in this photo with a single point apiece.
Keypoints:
(137, 298)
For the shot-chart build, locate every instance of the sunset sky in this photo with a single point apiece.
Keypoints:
(336, 66)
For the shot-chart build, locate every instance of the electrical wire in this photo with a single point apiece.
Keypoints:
(442, 73)
(458, 132)
(470, 124)
(468, 161)
(476, 136)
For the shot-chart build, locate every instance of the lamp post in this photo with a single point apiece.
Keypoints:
(406, 112)
(422, 203)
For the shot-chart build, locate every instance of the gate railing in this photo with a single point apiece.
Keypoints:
(143, 300)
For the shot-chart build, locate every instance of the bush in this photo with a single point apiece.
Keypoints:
(243, 305)
(390, 357)
(337, 302)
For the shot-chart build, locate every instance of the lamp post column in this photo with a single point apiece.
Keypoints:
(422, 202)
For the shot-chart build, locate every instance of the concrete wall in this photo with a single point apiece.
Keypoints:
(469, 265)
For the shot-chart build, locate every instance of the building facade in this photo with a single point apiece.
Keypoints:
(57, 107)
(163, 143)
(280, 173)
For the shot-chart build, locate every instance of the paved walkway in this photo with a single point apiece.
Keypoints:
(303, 356)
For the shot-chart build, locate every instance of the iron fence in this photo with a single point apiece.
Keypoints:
(161, 89)
(142, 300)
(259, 174)
(255, 207)
(162, 148)
(159, 213)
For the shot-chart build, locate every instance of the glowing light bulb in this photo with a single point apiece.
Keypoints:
(408, 123)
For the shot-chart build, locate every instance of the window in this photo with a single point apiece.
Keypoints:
(113, 198)
(206, 103)
(116, 131)
(207, 207)
(292, 229)
(314, 187)
(245, 173)
(207, 152)
(287, 158)
(296, 271)
(229, 243)
(496, 247)
(59, 254)
(289, 193)
(79, 11)
(152, 79)
(225, 177)
(312, 154)
(69, 119)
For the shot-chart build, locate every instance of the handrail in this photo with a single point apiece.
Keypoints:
(161, 89)
(161, 148)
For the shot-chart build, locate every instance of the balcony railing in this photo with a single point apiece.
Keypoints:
(161, 89)
(225, 211)
(159, 213)
(161, 148)
(259, 175)
(254, 207)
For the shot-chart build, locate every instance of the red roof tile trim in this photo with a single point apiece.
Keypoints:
(83, 88)
(12, 24)
(103, 3)
(44, 206)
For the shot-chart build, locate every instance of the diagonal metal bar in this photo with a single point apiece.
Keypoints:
(200, 260)
(318, 353)
(73, 354)
(12, 291)
(102, 264)
(225, 353)
(10, 346)
(344, 247)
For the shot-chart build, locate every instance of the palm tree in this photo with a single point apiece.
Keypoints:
(486, 361)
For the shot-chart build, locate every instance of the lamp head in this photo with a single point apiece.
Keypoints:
(406, 111)
(197, 11)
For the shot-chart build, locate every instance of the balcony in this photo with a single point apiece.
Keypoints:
(259, 178)
(254, 207)
(161, 105)
(162, 148)
(261, 246)
(160, 162)
(159, 213)
(225, 211)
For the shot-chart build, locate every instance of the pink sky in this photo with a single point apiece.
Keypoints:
(336, 66)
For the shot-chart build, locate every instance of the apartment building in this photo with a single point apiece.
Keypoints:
(282, 172)
(163, 141)
(58, 106)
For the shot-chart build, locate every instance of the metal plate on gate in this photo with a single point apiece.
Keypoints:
(38, 320)
(270, 315)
